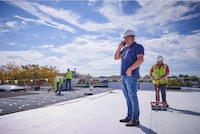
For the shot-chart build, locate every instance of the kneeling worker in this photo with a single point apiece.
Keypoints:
(58, 84)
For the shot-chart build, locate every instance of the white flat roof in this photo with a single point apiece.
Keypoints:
(100, 114)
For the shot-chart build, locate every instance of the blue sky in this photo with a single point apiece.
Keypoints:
(85, 34)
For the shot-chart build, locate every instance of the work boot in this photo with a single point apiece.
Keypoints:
(127, 119)
(165, 104)
(133, 122)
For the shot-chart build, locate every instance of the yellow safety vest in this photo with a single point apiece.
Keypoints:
(157, 73)
(59, 80)
(69, 75)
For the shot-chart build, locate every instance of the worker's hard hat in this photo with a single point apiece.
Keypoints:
(129, 33)
(159, 58)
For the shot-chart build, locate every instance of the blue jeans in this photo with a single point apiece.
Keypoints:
(129, 86)
(68, 81)
(163, 88)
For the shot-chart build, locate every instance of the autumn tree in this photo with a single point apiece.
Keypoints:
(12, 72)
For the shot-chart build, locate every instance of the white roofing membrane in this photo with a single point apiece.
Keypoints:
(100, 114)
(11, 87)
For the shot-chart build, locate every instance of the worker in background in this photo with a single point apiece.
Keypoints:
(38, 83)
(58, 82)
(68, 77)
(158, 74)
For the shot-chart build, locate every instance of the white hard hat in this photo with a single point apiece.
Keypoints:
(128, 33)
(159, 58)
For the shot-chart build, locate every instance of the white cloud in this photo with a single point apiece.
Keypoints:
(49, 23)
(14, 25)
(153, 16)
(47, 14)
(11, 43)
(11, 24)
(4, 30)
(148, 16)
(91, 2)
(46, 46)
(35, 9)
(180, 51)
(20, 57)
(92, 52)
(66, 15)
(157, 16)
(89, 56)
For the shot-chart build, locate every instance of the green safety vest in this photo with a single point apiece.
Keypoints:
(69, 75)
(157, 73)
(59, 80)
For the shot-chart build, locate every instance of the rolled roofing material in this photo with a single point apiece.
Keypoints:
(11, 87)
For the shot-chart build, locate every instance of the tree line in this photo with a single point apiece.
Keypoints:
(26, 74)
(180, 80)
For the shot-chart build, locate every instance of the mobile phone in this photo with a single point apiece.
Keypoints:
(124, 43)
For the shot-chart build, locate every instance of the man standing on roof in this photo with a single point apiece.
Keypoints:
(68, 77)
(132, 56)
(158, 74)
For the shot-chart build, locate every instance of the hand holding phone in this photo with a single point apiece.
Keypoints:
(122, 44)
